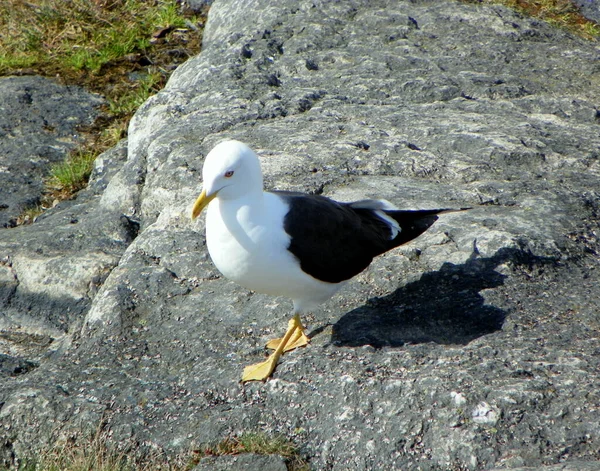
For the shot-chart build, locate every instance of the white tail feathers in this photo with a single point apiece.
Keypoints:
(378, 207)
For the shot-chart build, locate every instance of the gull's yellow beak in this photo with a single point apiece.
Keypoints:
(201, 203)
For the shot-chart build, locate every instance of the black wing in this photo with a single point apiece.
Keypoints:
(334, 241)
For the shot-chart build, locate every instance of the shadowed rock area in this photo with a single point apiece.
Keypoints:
(474, 347)
(40, 123)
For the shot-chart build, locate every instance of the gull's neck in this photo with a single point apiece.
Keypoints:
(250, 206)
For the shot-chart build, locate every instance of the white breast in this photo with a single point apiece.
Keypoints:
(248, 245)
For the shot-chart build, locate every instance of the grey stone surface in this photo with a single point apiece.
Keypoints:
(569, 466)
(40, 123)
(589, 8)
(51, 270)
(475, 347)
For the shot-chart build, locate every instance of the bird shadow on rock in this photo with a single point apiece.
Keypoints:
(443, 306)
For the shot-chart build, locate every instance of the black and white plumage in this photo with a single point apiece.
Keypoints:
(335, 241)
(300, 246)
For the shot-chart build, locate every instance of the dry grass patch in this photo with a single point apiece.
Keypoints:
(93, 454)
(258, 443)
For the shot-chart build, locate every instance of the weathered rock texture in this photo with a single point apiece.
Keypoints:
(589, 8)
(40, 123)
(475, 347)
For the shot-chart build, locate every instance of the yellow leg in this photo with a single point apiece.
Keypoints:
(298, 339)
(261, 371)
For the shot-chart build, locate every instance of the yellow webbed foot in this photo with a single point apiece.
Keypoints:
(298, 339)
(261, 371)
(293, 338)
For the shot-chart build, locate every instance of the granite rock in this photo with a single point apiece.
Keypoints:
(589, 8)
(474, 347)
(40, 123)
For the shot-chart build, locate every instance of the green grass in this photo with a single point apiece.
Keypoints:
(254, 442)
(561, 13)
(120, 49)
(97, 43)
(258, 443)
(16, 60)
(72, 175)
(128, 102)
(80, 34)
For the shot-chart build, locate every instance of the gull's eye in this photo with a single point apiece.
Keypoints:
(228, 174)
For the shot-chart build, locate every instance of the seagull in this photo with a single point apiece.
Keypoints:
(300, 246)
